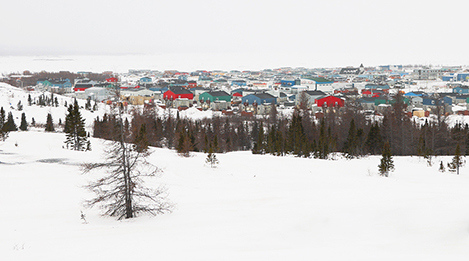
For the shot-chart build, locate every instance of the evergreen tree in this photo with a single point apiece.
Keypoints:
(457, 161)
(387, 163)
(49, 123)
(297, 142)
(374, 140)
(19, 106)
(215, 143)
(211, 158)
(442, 167)
(351, 143)
(24, 124)
(10, 125)
(271, 141)
(3, 130)
(141, 141)
(76, 138)
(88, 104)
(322, 145)
(258, 147)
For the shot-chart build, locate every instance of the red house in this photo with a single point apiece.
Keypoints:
(369, 93)
(330, 101)
(112, 79)
(192, 84)
(175, 93)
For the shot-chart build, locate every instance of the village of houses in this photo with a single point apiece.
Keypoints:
(426, 89)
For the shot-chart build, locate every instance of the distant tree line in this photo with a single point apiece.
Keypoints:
(347, 131)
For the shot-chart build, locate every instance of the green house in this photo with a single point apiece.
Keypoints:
(215, 96)
(46, 83)
(380, 101)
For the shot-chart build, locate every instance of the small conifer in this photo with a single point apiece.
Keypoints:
(442, 167)
(49, 123)
(24, 124)
(10, 125)
(211, 158)
(457, 161)
(387, 163)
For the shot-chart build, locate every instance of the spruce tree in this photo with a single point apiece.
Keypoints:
(297, 142)
(10, 125)
(351, 144)
(88, 104)
(141, 141)
(3, 130)
(374, 140)
(322, 146)
(387, 163)
(457, 161)
(215, 143)
(258, 147)
(49, 123)
(211, 158)
(76, 138)
(442, 167)
(24, 124)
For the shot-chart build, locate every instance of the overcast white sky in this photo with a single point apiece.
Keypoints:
(286, 33)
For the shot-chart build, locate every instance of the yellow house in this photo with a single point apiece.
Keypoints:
(138, 97)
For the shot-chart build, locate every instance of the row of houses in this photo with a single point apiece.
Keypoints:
(248, 90)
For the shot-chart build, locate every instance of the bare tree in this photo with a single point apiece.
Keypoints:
(122, 192)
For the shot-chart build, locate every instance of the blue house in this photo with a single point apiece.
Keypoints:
(289, 82)
(238, 83)
(414, 94)
(182, 77)
(366, 76)
(448, 78)
(377, 86)
(462, 76)
(448, 100)
(61, 84)
(159, 89)
(461, 89)
(259, 98)
(203, 78)
(145, 80)
(432, 102)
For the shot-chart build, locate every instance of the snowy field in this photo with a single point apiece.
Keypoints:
(251, 207)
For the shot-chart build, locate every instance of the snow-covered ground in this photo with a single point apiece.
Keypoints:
(251, 207)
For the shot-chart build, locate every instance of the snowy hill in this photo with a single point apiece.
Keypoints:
(10, 97)
(251, 207)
